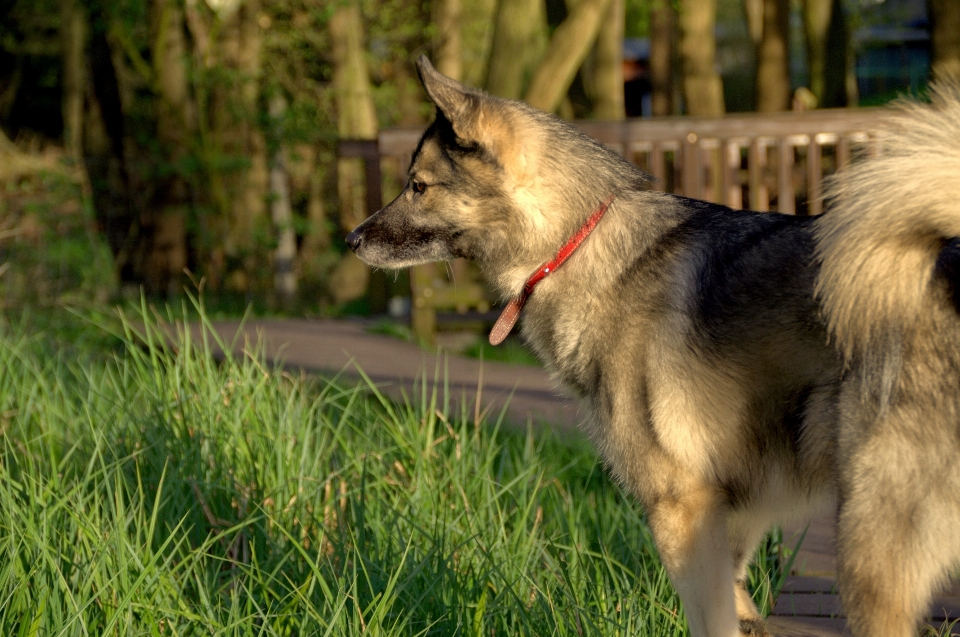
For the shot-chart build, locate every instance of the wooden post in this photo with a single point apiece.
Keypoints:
(814, 177)
(785, 190)
(691, 166)
(756, 164)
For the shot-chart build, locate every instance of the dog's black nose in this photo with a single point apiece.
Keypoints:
(353, 240)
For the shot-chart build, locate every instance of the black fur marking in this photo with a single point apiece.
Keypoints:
(747, 260)
(947, 268)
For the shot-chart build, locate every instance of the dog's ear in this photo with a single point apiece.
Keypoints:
(458, 104)
(477, 118)
(451, 97)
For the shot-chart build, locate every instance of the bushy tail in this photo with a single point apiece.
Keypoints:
(888, 219)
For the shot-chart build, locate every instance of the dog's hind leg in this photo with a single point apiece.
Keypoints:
(691, 534)
(897, 524)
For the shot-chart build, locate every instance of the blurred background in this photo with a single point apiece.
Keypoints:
(159, 145)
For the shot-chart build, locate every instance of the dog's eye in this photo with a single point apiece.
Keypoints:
(418, 186)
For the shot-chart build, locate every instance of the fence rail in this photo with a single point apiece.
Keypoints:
(765, 162)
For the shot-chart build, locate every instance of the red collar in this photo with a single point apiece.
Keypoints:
(508, 318)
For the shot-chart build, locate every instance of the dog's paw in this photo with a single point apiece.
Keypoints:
(753, 628)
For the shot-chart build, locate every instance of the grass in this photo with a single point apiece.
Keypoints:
(512, 351)
(148, 490)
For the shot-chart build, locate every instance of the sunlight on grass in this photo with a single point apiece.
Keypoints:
(153, 490)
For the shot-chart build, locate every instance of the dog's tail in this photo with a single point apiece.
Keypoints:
(890, 218)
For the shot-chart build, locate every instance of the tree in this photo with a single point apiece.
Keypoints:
(608, 65)
(356, 119)
(662, 25)
(517, 38)
(567, 49)
(945, 15)
(773, 71)
(448, 58)
(829, 58)
(702, 86)
(284, 278)
(164, 247)
(73, 35)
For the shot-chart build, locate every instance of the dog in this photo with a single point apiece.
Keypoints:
(739, 369)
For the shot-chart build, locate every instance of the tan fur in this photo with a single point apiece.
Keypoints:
(884, 226)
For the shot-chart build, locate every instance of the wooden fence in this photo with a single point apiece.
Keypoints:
(760, 161)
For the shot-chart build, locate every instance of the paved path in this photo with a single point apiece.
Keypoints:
(808, 606)
(396, 366)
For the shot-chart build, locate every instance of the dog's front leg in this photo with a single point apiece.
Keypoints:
(691, 534)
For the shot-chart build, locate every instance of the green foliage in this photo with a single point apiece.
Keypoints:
(637, 19)
(50, 250)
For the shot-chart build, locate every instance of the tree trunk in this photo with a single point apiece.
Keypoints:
(241, 50)
(662, 21)
(316, 242)
(105, 150)
(816, 23)
(356, 119)
(477, 22)
(447, 56)
(281, 212)
(608, 65)
(165, 254)
(73, 35)
(753, 13)
(773, 71)
(945, 16)
(514, 40)
(702, 86)
(568, 47)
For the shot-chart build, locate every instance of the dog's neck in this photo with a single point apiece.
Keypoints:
(511, 312)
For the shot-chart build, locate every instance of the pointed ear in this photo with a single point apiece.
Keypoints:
(457, 103)
(470, 114)
(451, 97)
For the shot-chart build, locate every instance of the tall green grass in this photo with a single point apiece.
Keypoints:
(152, 490)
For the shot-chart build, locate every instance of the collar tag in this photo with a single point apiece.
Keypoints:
(508, 318)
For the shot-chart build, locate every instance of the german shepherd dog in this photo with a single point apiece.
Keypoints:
(739, 368)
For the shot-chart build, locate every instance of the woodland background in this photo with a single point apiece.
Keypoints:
(159, 144)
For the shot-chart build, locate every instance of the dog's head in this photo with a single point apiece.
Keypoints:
(456, 181)
(493, 180)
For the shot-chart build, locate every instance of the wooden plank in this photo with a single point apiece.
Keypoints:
(786, 202)
(658, 166)
(807, 627)
(756, 163)
(814, 177)
(945, 608)
(691, 167)
(843, 152)
(809, 604)
(732, 192)
(809, 584)
(358, 148)
(841, 121)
